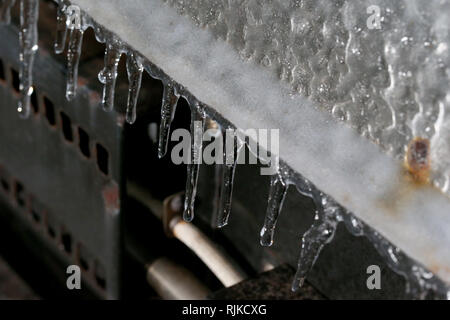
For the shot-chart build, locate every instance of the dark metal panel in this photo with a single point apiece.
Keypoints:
(340, 271)
(54, 171)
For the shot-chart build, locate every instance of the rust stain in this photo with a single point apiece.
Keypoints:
(94, 98)
(111, 197)
(417, 160)
(415, 176)
(439, 269)
(82, 81)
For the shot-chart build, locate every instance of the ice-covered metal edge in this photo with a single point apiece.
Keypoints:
(340, 162)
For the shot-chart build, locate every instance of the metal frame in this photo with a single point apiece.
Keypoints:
(81, 197)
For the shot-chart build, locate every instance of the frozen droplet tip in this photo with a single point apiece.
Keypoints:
(297, 284)
(266, 241)
(222, 224)
(188, 214)
(161, 152)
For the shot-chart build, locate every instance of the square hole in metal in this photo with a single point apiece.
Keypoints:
(84, 143)
(66, 127)
(102, 158)
(49, 111)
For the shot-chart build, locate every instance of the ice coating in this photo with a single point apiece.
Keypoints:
(169, 104)
(232, 153)
(108, 75)
(226, 192)
(419, 123)
(134, 71)
(390, 84)
(277, 193)
(318, 235)
(197, 125)
(189, 196)
(28, 36)
(73, 60)
(61, 28)
(420, 283)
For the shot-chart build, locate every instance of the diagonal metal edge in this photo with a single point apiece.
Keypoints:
(343, 164)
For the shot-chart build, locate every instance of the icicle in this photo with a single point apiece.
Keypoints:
(108, 76)
(228, 170)
(319, 234)
(5, 11)
(29, 13)
(418, 281)
(73, 60)
(353, 224)
(197, 125)
(277, 193)
(61, 28)
(169, 104)
(226, 192)
(218, 176)
(134, 70)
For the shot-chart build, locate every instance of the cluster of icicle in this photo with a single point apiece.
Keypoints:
(419, 281)
(328, 214)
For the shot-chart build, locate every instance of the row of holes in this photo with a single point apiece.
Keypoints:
(44, 221)
(48, 108)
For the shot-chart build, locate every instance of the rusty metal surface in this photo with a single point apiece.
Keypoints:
(60, 174)
(340, 271)
(338, 159)
(65, 183)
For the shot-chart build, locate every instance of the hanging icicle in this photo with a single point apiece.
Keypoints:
(108, 75)
(231, 156)
(226, 192)
(134, 71)
(319, 234)
(28, 36)
(61, 28)
(419, 281)
(197, 125)
(74, 22)
(169, 104)
(277, 194)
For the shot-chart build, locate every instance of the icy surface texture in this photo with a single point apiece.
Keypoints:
(391, 84)
(340, 162)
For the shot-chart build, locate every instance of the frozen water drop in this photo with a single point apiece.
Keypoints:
(353, 225)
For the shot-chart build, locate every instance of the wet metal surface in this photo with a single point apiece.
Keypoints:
(60, 163)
